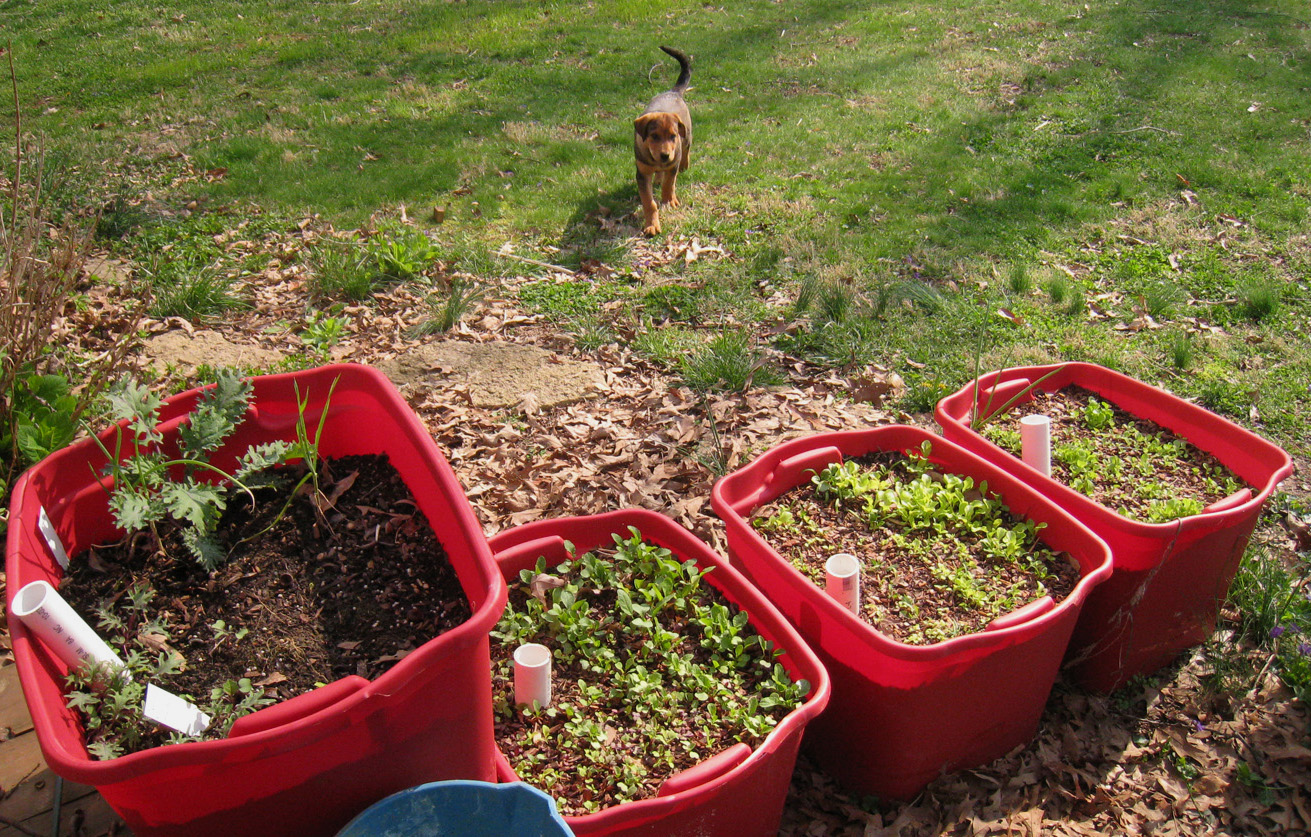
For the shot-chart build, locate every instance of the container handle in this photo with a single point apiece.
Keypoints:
(301, 706)
(1233, 501)
(788, 470)
(528, 552)
(707, 771)
(1017, 617)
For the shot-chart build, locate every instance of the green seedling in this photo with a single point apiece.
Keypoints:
(660, 671)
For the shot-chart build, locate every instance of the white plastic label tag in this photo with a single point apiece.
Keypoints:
(52, 538)
(168, 709)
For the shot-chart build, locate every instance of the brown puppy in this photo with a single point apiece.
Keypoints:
(663, 135)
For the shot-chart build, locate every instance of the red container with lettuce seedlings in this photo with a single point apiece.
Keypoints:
(917, 692)
(1174, 561)
(679, 694)
(307, 765)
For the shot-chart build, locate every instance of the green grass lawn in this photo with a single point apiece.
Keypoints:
(890, 175)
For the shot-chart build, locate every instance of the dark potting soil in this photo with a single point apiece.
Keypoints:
(349, 591)
(900, 593)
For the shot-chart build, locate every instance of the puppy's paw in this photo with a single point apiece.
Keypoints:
(652, 228)
(672, 202)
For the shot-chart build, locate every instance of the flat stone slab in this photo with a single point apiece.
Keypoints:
(188, 351)
(499, 375)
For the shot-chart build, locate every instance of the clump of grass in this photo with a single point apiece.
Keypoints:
(664, 346)
(1258, 299)
(836, 302)
(461, 299)
(194, 295)
(1077, 303)
(591, 332)
(1059, 290)
(1180, 349)
(1162, 299)
(119, 217)
(1018, 280)
(730, 361)
(807, 291)
(341, 271)
(1219, 392)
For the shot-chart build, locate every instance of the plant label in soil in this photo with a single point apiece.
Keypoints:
(52, 538)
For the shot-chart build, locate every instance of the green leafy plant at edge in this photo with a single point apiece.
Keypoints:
(110, 700)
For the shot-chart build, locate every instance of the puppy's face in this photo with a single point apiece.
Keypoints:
(661, 134)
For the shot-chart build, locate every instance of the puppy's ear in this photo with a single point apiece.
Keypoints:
(682, 129)
(642, 124)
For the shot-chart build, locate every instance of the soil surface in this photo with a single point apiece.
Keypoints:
(350, 590)
(1181, 477)
(890, 575)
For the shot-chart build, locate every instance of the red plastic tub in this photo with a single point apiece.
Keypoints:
(738, 792)
(901, 715)
(310, 764)
(1169, 579)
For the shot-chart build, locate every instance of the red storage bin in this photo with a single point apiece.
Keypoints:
(737, 793)
(1169, 579)
(308, 765)
(901, 715)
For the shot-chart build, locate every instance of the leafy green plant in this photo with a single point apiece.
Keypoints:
(1148, 475)
(1173, 509)
(43, 417)
(654, 670)
(957, 529)
(1098, 415)
(110, 701)
(150, 486)
(323, 331)
(403, 253)
(459, 300)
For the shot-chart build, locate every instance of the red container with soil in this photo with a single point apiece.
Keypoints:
(308, 765)
(1169, 579)
(903, 714)
(738, 792)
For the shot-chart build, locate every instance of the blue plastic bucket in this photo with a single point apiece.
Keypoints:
(459, 808)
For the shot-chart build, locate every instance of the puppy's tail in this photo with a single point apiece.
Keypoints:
(686, 72)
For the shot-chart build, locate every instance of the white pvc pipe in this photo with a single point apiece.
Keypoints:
(1036, 443)
(532, 675)
(45, 613)
(842, 580)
